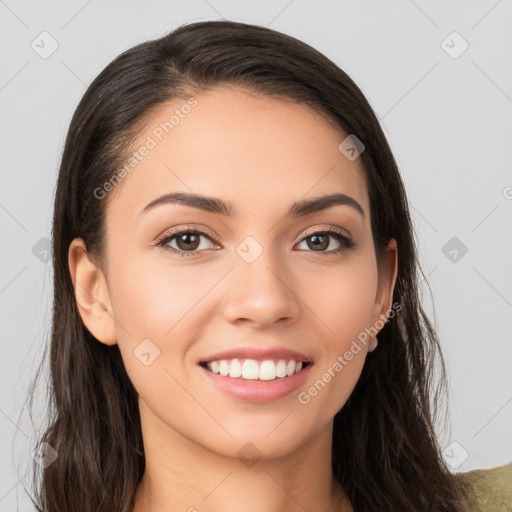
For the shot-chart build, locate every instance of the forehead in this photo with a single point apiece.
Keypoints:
(252, 150)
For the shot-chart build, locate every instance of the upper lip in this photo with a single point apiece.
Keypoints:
(258, 353)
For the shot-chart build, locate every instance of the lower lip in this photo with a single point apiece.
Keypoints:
(258, 391)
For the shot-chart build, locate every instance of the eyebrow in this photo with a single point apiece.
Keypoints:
(218, 206)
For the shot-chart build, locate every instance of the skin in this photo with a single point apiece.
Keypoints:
(261, 154)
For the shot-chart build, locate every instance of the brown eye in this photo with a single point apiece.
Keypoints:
(188, 242)
(321, 240)
(318, 241)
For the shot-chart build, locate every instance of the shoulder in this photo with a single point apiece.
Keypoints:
(488, 489)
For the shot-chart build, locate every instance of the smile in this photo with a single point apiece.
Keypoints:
(251, 369)
(262, 382)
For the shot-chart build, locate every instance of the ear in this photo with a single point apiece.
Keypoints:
(387, 278)
(91, 294)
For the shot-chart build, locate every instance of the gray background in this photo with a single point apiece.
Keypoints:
(448, 121)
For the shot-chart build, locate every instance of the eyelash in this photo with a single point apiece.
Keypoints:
(345, 241)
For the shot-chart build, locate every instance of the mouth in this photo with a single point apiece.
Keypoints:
(256, 381)
(256, 370)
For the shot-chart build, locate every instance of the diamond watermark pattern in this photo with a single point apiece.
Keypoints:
(146, 352)
(454, 45)
(455, 455)
(44, 455)
(351, 147)
(249, 454)
(454, 249)
(41, 249)
(249, 249)
(44, 45)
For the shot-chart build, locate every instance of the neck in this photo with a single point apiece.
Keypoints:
(182, 475)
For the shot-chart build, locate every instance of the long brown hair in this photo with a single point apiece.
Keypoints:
(385, 453)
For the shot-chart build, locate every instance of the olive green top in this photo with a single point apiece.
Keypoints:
(489, 490)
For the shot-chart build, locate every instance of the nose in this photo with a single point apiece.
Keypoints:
(261, 292)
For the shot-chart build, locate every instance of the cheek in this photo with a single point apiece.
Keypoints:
(152, 304)
(167, 304)
(330, 388)
(343, 301)
(342, 297)
(149, 299)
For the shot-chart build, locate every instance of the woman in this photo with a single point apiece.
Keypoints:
(232, 243)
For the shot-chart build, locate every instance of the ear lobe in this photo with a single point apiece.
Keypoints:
(91, 294)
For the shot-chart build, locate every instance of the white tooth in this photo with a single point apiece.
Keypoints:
(255, 370)
(224, 368)
(281, 368)
(267, 370)
(250, 369)
(235, 370)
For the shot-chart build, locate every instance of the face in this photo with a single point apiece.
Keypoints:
(257, 278)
